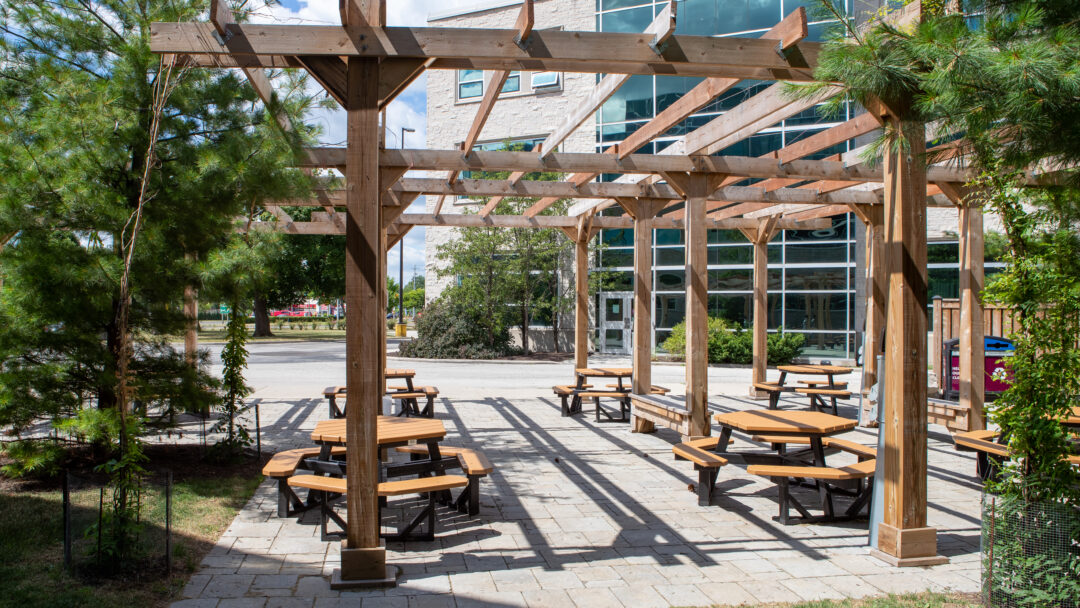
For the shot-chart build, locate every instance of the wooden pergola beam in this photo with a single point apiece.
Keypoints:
(524, 25)
(321, 223)
(494, 49)
(598, 162)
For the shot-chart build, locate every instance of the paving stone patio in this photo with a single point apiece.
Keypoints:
(590, 515)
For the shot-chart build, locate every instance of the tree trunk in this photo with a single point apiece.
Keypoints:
(262, 319)
(555, 309)
(107, 398)
(525, 329)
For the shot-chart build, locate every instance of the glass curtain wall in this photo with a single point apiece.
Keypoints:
(811, 273)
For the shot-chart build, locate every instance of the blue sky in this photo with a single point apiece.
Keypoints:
(408, 110)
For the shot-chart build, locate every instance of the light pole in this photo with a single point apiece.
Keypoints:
(401, 256)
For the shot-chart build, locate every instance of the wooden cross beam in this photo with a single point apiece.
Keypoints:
(566, 162)
(494, 49)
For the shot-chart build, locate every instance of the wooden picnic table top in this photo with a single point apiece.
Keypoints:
(785, 422)
(389, 430)
(400, 373)
(1073, 419)
(605, 372)
(819, 370)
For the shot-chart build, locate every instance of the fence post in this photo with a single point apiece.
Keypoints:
(67, 520)
(168, 523)
(258, 432)
(935, 345)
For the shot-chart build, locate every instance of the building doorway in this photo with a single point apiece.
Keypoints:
(616, 322)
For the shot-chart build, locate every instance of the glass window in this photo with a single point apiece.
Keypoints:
(670, 88)
(816, 311)
(944, 282)
(816, 253)
(726, 236)
(943, 253)
(618, 237)
(617, 281)
(825, 344)
(545, 79)
(670, 280)
(816, 279)
(670, 256)
(670, 309)
(607, 5)
(711, 17)
(775, 276)
(633, 100)
(776, 310)
(513, 83)
(731, 280)
(619, 132)
(669, 236)
(729, 254)
(611, 258)
(633, 20)
(738, 309)
(776, 253)
(470, 84)
(837, 232)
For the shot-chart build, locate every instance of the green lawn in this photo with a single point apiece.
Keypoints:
(31, 545)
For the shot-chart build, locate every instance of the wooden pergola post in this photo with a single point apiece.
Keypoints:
(363, 559)
(873, 218)
(643, 211)
(972, 340)
(760, 237)
(696, 187)
(904, 539)
(581, 302)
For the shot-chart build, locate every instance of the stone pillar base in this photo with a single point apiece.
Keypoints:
(907, 547)
(363, 568)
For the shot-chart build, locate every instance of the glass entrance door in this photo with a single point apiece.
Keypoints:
(616, 321)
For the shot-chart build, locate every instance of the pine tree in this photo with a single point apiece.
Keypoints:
(77, 81)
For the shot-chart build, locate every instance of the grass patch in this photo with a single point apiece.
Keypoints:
(285, 334)
(205, 501)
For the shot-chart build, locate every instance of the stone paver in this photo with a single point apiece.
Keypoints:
(578, 514)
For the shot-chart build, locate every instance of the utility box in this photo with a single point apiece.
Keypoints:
(997, 349)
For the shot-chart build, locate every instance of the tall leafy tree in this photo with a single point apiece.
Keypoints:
(77, 83)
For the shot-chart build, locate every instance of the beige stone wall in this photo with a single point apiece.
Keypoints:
(515, 115)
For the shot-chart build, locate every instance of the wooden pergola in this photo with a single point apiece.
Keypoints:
(363, 64)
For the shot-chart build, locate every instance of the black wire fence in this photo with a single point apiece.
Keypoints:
(1030, 553)
(99, 543)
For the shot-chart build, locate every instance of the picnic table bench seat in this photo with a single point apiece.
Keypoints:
(654, 390)
(623, 397)
(774, 390)
(410, 401)
(823, 383)
(817, 396)
(328, 489)
(853, 473)
(989, 452)
(845, 445)
(706, 462)
(281, 466)
(473, 463)
(565, 392)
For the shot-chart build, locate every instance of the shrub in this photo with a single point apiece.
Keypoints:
(41, 458)
(450, 330)
(730, 343)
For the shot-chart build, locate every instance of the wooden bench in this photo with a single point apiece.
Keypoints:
(328, 489)
(817, 401)
(654, 390)
(410, 401)
(650, 411)
(282, 466)
(332, 393)
(847, 475)
(823, 384)
(773, 389)
(622, 397)
(706, 462)
(863, 452)
(989, 453)
(472, 462)
(565, 393)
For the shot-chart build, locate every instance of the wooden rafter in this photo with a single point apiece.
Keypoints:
(661, 28)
